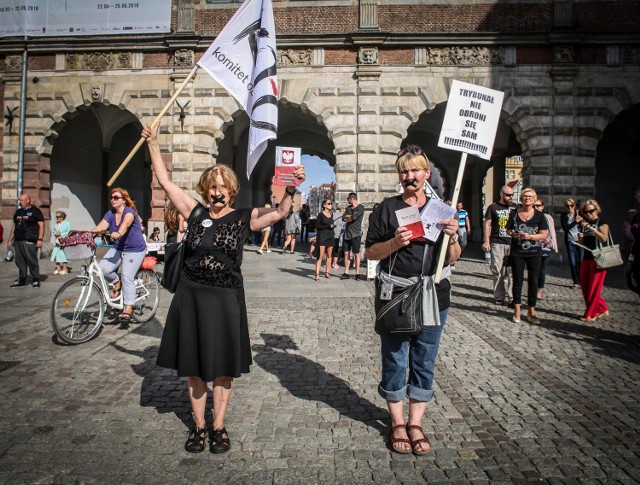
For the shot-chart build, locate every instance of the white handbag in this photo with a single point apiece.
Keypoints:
(605, 256)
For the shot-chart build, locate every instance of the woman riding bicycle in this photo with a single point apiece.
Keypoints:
(122, 223)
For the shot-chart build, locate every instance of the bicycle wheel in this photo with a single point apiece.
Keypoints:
(147, 295)
(77, 311)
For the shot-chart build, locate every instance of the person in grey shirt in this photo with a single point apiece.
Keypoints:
(338, 232)
(353, 216)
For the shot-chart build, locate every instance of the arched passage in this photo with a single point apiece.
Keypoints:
(297, 127)
(91, 144)
(618, 168)
(425, 133)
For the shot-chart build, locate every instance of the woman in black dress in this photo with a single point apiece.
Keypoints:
(324, 237)
(206, 336)
(527, 228)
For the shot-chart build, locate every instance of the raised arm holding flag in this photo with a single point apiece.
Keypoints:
(243, 60)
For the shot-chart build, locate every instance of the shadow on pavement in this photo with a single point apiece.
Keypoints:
(161, 388)
(309, 380)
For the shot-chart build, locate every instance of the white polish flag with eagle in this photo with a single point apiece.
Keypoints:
(243, 60)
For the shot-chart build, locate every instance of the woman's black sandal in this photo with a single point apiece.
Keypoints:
(219, 444)
(195, 442)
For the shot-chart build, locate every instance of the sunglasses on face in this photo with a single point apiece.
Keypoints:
(507, 195)
(538, 205)
(590, 211)
(414, 150)
(115, 197)
(569, 206)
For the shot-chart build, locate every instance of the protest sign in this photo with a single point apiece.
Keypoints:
(471, 119)
(287, 160)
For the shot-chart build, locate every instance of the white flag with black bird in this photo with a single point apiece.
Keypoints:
(243, 60)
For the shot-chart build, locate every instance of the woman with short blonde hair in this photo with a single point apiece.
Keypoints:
(527, 228)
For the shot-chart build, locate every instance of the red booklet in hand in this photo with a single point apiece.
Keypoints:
(287, 160)
(409, 217)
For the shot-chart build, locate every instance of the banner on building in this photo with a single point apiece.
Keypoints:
(287, 160)
(243, 60)
(471, 119)
(43, 18)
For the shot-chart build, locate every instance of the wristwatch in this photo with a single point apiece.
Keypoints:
(291, 194)
(40, 239)
(453, 239)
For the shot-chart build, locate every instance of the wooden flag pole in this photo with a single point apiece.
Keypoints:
(155, 122)
(454, 201)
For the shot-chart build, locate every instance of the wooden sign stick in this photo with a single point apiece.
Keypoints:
(454, 201)
(155, 122)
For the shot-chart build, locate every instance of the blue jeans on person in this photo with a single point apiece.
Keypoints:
(417, 354)
(546, 253)
(462, 237)
(575, 253)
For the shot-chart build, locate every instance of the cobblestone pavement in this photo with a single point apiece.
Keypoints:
(514, 403)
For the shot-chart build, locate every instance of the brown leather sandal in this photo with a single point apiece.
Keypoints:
(393, 440)
(415, 443)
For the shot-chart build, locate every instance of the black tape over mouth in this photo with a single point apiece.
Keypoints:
(215, 199)
(410, 183)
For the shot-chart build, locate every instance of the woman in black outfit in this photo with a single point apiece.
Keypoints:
(527, 228)
(324, 237)
(570, 222)
(206, 336)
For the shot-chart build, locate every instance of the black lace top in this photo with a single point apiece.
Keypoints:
(213, 252)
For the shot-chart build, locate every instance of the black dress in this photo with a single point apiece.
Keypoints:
(207, 333)
(324, 237)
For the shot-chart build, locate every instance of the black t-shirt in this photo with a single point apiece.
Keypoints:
(589, 239)
(527, 247)
(25, 224)
(407, 261)
(499, 215)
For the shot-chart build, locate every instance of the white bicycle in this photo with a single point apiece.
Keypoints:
(82, 304)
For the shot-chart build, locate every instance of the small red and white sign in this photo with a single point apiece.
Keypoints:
(287, 160)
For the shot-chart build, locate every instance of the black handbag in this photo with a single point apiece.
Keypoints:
(403, 314)
(174, 259)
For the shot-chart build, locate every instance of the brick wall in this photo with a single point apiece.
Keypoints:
(608, 16)
(299, 20)
(465, 18)
(161, 60)
(341, 57)
(396, 56)
(42, 63)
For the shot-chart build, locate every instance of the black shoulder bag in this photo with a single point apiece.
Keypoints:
(403, 314)
(174, 258)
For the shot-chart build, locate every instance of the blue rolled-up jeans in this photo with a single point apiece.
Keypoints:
(417, 354)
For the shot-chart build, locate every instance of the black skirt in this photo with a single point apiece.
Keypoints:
(207, 332)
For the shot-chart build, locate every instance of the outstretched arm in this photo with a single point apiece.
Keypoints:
(262, 217)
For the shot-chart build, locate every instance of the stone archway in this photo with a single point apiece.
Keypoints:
(297, 127)
(618, 168)
(90, 145)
